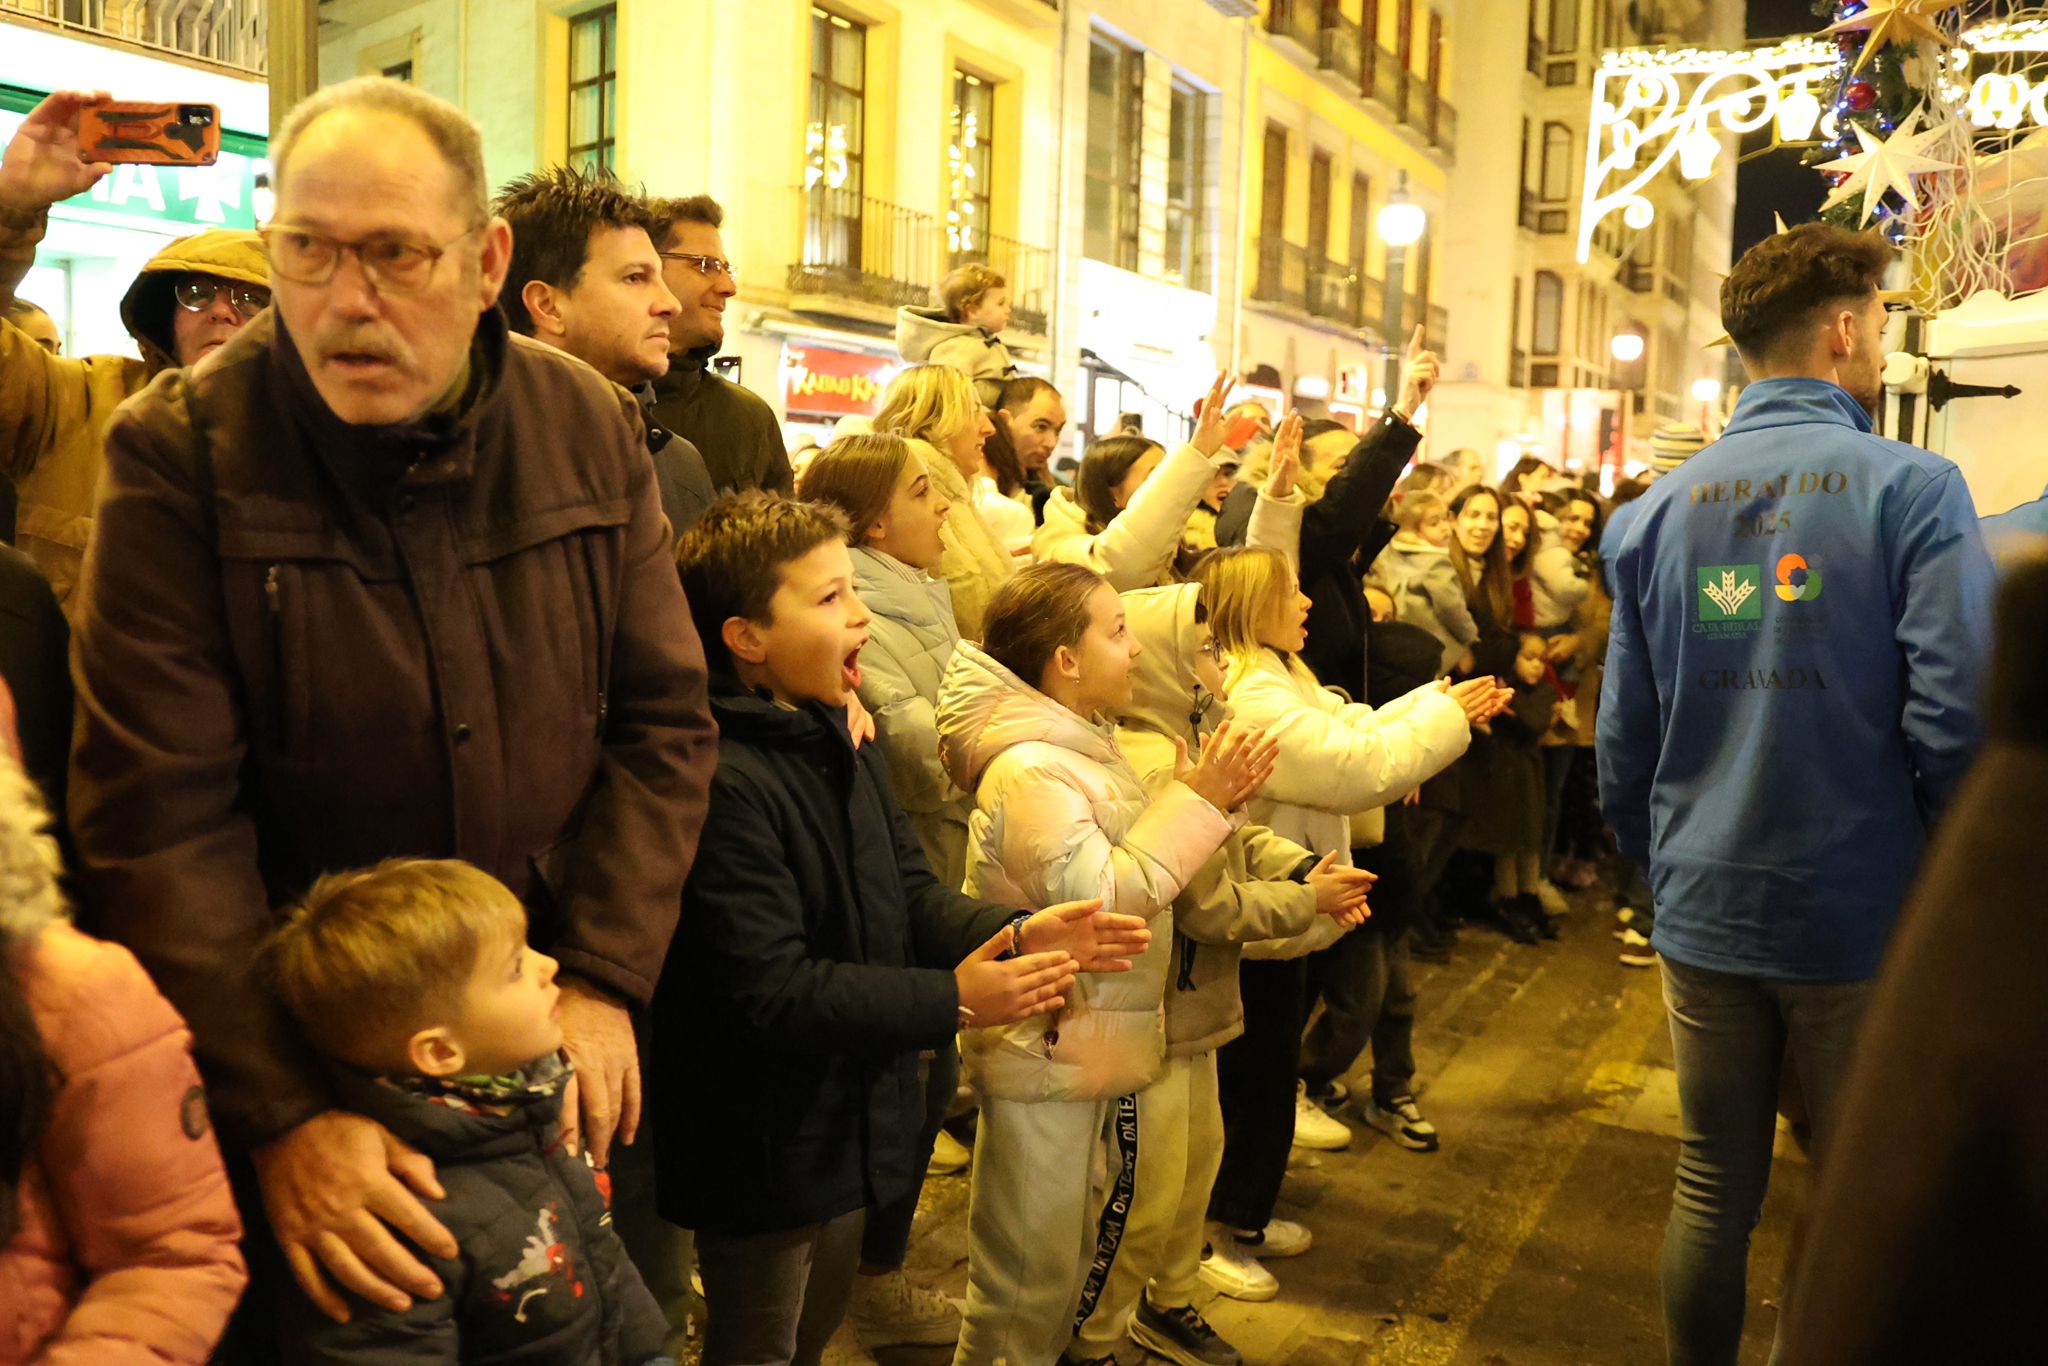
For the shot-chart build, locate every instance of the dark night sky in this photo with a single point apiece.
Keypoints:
(1776, 181)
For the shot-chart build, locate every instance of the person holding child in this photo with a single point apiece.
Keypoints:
(817, 955)
(414, 980)
(1026, 723)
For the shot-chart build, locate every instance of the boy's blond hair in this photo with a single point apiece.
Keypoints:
(1415, 508)
(368, 958)
(966, 286)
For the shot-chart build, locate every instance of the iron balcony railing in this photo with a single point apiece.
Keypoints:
(1638, 277)
(1296, 19)
(859, 247)
(1026, 269)
(229, 33)
(1283, 274)
(1343, 50)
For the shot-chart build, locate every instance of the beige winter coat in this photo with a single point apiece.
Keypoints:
(1251, 888)
(1336, 759)
(1136, 549)
(976, 563)
(1060, 815)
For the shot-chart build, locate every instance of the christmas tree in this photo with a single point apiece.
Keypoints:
(1875, 96)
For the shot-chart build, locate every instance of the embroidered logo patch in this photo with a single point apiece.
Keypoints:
(1728, 593)
(1798, 581)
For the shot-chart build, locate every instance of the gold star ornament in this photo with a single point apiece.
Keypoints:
(1887, 165)
(1894, 21)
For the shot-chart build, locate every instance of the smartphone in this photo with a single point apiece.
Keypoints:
(153, 133)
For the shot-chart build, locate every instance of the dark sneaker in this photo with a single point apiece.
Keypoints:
(1332, 1097)
(1399, 1119)
(1508, 915)
(1535, 916)
(1181, 1335)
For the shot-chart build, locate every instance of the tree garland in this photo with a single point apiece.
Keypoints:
(1875, 98)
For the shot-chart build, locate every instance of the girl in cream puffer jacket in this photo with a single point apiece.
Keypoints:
(1059, 815)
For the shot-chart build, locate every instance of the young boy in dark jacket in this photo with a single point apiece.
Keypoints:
(415, 979)
(817, 954)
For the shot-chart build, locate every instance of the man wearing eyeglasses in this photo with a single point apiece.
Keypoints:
(194, 295)
(733, 426)
(382, 579)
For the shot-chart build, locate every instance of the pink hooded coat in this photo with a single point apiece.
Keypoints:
(125, 1251)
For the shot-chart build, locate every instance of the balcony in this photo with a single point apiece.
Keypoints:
(229, 33)
(1535, 55)
(1638, 277)
(865, 249)
(1529, 212)
(1333, 293)
(1296, 19)
(1343, 51)
(1028, 270)
(1283, 275)
(1518, 368)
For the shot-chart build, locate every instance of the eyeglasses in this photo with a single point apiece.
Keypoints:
(196, 294)
(394, 265)
(1210, 649)
(705, 265)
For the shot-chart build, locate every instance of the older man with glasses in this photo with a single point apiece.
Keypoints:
(382, 579)
(187, 302)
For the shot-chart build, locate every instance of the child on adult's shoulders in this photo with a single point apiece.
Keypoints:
(414, 979)
(961, 332)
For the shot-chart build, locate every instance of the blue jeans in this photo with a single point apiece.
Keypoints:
(1730, 1037)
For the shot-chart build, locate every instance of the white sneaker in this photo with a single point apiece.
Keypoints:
(891, 1311)
(1553, 900)
(949, 1156)
(1279, 1238)
(1232, 1272)
(1313, 1126)
(844, 1349)
(1630, 938)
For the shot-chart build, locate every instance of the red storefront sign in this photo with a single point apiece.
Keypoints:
(818, 379)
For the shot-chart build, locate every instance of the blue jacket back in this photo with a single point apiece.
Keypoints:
(1802, 624)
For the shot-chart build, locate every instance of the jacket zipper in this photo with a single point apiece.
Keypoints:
(1187, 962)
(273, 601)
(597, 625)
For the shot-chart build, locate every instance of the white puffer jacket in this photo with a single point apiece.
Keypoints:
(1136, 549)
(910, 641)
(1336, 759)
(1060, 816)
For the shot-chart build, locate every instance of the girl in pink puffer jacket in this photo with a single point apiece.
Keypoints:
(117, 1232)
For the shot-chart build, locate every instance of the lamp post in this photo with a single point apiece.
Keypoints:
(1705, 391)
(1627, 348)
(1401, 223)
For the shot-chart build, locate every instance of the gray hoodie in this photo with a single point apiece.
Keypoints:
(926, 336)
(1419, 578)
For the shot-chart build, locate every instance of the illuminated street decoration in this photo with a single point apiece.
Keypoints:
(1889, 165)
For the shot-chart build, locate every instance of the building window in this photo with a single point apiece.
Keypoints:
(1564, 25)
(1557, 163)
(399, 71)
(1187, 181)
(1116, 95)
(1318, 208)
(593, 89)
(1549, 321)
(969, 164)
(1361, 221)
(834, 139)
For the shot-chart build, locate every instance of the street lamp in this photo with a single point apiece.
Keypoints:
(1627, 347)
(1401, 223)
(1705, 391)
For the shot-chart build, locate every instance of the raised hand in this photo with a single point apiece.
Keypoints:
(43, 162)
(1098, 940)
(1418, 375)
(1340, 892)
(1210, 426)
(999, 991)
(1286, 457)
(1233, 766)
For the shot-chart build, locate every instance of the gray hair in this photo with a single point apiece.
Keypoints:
(454, 134)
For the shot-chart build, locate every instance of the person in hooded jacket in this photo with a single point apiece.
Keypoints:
(1415, 571)
(1336, 758)
(1791, 698)
(1026, 724)
(1257, 886)
(118, 1236)
(817, 956)
(974, 306)
(191, 297)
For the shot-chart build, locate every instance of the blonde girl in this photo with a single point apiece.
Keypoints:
(935, 407)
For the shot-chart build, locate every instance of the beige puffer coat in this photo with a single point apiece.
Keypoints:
(1336, 759)
(1060, 815)
(1251, 888)
(976, 562)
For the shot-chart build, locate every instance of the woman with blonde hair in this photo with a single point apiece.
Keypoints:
(935, 408)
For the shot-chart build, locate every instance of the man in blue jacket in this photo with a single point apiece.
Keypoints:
(1801, 623)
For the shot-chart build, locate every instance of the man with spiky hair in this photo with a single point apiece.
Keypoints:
(585, 279)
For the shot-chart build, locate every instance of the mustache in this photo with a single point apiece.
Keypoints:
(376, 343)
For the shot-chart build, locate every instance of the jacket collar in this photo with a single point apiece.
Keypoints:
(686, 371)
(1793, 402)
(433, 450)
(449, 1123)
(753, 714)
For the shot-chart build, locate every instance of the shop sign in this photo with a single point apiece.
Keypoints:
(819, 379)
(175, 199)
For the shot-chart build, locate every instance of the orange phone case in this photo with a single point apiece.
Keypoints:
(161, 134)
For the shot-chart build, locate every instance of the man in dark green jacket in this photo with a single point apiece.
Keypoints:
(736, 430)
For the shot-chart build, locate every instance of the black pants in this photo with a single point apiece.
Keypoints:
(1367, 996)
(1255, 1082)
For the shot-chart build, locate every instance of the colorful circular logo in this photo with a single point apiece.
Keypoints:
(1798, 581)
